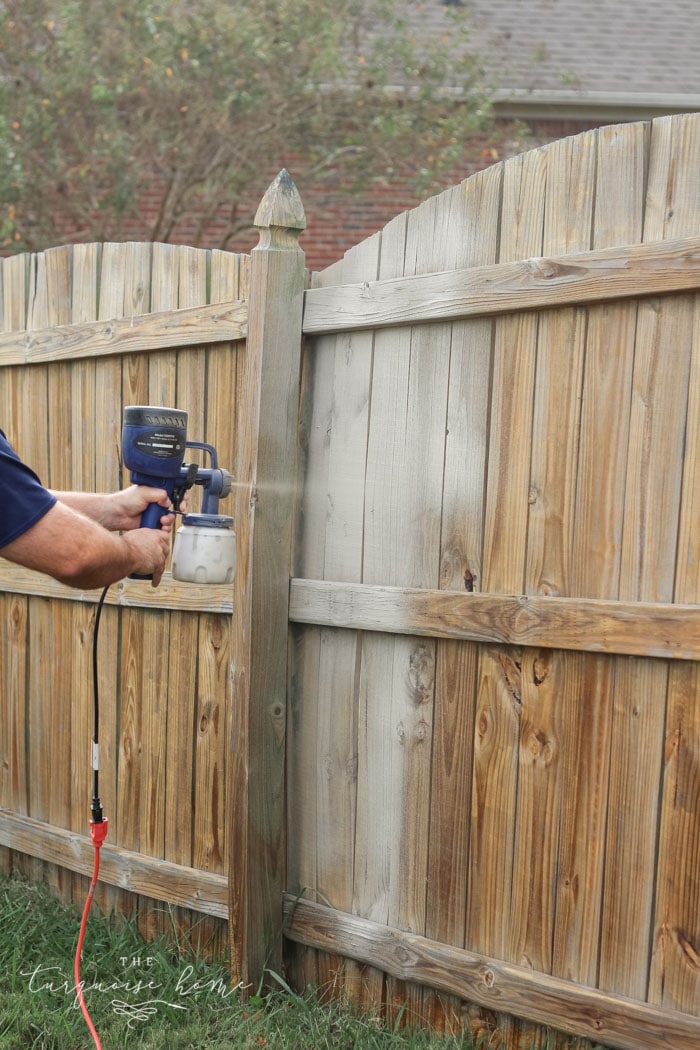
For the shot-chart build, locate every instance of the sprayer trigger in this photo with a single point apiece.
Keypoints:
(186, 483)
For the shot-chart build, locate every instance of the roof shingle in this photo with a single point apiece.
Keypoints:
(551, 49)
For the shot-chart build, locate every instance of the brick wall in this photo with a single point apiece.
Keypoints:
(332, 228)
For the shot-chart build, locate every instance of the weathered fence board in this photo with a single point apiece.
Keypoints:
(674, 977)
(536, 283)
(264, 511)
(593, 566)
(472, 242)
(500, 674)
(175, 884)
(591, 625)
(494, 983)
(652, 498)
(516, 622)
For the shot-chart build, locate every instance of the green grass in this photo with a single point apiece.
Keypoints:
(152, 995)
(149, 995)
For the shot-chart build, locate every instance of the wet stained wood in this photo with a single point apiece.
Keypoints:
(178, 885)
(496, 984)
(66, 307)
(60, 340)
(653, 495)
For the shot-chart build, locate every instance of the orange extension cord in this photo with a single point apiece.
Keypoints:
(98, 833)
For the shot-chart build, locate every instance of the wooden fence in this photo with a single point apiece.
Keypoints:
(494, 739)
(445, 733)
(84, 318)
(85, 330)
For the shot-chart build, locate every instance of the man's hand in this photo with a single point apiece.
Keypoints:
(119, 511)
(126, 507)
(149, 549)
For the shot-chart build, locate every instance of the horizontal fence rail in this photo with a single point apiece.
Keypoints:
(497, 985)
(164, 330)
(170, 593)
(532, 284)
(178, 884)
(585, 624)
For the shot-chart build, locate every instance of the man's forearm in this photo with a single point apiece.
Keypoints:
(94, 505)
(81, 553)
(119, 511)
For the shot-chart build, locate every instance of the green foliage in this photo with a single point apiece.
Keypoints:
(107, 100)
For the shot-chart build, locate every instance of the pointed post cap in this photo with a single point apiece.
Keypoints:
(280, 216)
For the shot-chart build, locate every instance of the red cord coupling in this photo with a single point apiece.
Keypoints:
(98, 832)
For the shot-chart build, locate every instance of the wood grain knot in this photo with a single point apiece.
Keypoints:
(689, 950)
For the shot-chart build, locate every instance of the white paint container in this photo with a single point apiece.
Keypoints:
(205, 549)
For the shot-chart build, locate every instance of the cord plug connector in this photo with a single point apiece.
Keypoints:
(98, 831)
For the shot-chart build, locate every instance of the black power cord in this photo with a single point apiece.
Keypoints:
(98, 824)
(95, 806)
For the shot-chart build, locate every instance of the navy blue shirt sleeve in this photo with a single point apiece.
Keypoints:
(23, 499)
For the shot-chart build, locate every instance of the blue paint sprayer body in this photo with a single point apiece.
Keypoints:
(154, 443)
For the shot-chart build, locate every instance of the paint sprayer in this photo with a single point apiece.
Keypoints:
(154, 444)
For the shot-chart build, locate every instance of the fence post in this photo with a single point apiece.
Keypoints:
(264, 510)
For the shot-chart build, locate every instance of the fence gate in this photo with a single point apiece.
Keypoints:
(494, 723)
